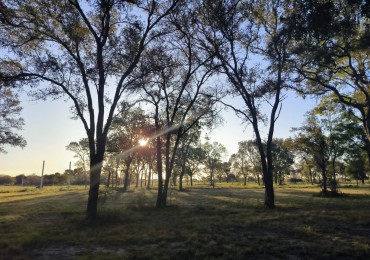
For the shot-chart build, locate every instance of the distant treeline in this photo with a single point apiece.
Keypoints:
(73, 178)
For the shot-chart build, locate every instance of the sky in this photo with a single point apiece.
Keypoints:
(49, 129)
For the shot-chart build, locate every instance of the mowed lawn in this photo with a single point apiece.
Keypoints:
(227, 222)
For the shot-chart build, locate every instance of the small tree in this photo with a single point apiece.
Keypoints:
(81, 151)
(214, 153)
(312, 142)
(283, 160)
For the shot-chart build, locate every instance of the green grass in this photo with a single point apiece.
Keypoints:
(227, 222)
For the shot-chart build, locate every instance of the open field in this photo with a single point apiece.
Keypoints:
(228, 222)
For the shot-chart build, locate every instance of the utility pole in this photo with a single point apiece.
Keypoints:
(69, 173)
(42, 175)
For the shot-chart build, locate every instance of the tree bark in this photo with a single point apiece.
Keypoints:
(269, 190)
(180, 181)
(149, 176)
(108, 180)
(126, 184)
(159, 171)
(324, 181)
(95, 172)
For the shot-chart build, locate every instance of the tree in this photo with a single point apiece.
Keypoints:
(355, 167)
(85, 52)
(9, 119)
(249, 159)
(312, 142)
(283, 160)
(195, 158)
(19, 179)
(214, 153)
(340, 130)
(239, 161)
(332, 52)
(81, 151)
(226, 168)
(236, 32)
(175, 86)
(129, 127)
(6, 180)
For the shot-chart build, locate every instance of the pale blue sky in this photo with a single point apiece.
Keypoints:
(48, 129)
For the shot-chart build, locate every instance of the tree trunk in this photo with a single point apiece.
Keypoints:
(85, 174)
(126, 184)
(108, 180)
(245, 180)
(145, 177)
(116, 175)
(162, 197)
(137, 179)
(95, 171)
(180, 181)
(324, 181)
(212, 179)
(141, 177)
(149, 176)
(269, 189)
(165, 191)
(266, 164)
(191, 180)
(159, 172)
(334, 184)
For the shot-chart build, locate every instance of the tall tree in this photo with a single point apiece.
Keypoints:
(237, 32)
(332, 51)
(85, 51)
(175, 86)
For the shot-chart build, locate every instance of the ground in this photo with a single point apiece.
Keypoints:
(227, 222)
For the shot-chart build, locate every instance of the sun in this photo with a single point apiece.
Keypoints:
(143, 142)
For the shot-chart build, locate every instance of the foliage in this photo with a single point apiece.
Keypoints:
(283, 159)
(175, 90)
(214, 154)
(247, 160)
(81, 152)
(10, 121)
(83, 51)
(312, 142)
(6, 180)
(332, 51)
(237, 32)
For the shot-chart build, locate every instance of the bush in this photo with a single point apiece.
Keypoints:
(295, 180)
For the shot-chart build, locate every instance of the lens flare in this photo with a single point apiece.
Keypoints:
(143, 142)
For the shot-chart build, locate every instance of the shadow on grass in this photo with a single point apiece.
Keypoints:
(223, 223)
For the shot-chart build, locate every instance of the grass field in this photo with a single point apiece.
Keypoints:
(228, 222)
